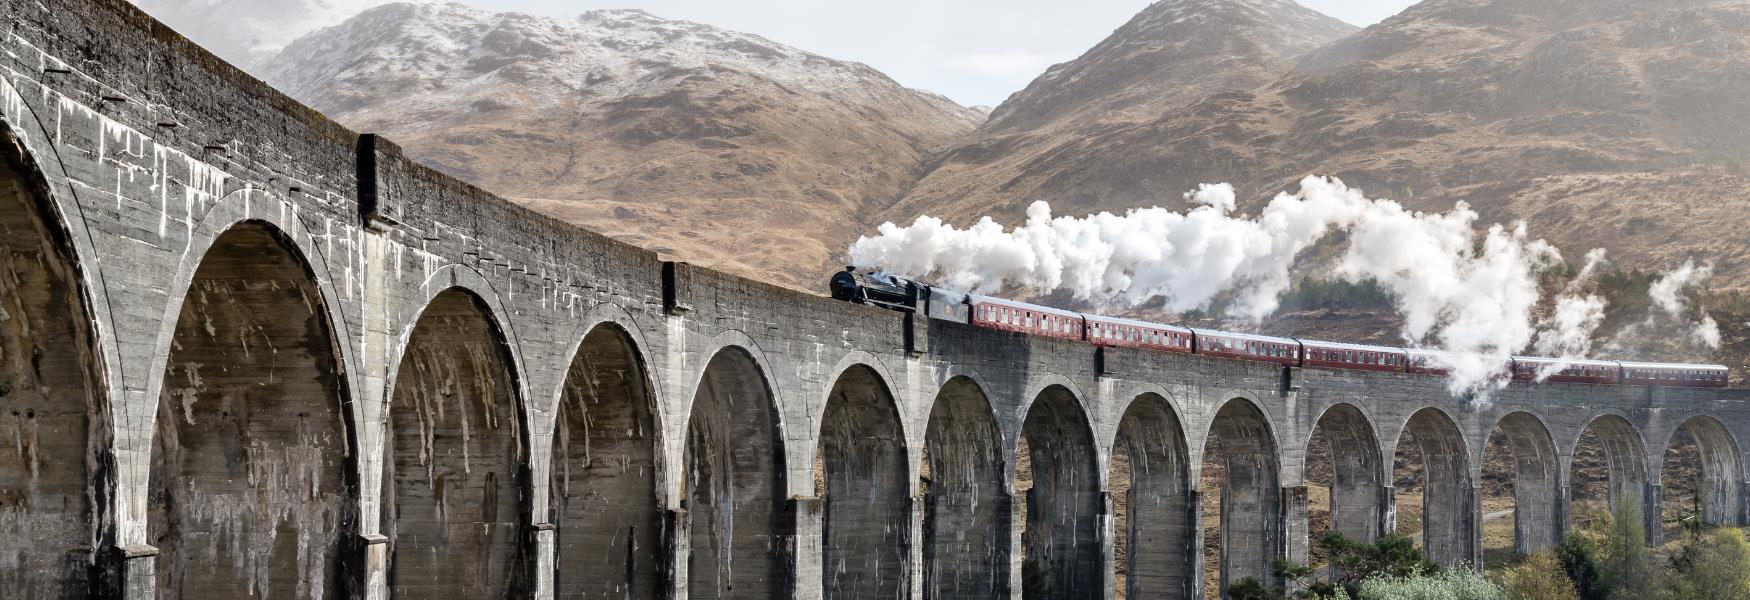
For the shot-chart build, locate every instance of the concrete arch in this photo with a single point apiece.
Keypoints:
(1200, 426)
(254, 486)
(456, 478)
(1357, 478)
(1624, 461)
(45, 170)
(736, 463)
(1036, 387)
(1251, 497)
(1449, 497)
(1158, 521)
(236, 209)
(1537, 497)
(660, 392)
(465, 279)
(57, 381)
(865, 360)
(866, 479)
(1718, 485)
(607, 470)
(959, 376)
(612, 315)
(967, 504)
(1062, 545)
(796, 459)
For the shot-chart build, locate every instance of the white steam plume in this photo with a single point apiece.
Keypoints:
(1567, 331)
(1668, 295)
(1469, 293)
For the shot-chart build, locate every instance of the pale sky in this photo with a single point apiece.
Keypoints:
(974, 51)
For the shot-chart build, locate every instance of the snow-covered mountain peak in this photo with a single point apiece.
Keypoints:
(453, 49)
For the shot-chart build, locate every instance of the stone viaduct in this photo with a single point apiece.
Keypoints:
(250, 353)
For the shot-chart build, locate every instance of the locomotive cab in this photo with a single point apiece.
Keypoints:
(884, 290)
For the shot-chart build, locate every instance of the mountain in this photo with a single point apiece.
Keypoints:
(1603, 123)
(1051, 140)
(713, 146)
(247, 32)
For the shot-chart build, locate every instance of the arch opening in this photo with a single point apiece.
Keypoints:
(1343, 468)
(1700, 477)
(1240, 487)
(1609, 472)
(49, 384)
(1061, 553)
(1518, 488)
(610, 540)
(739, 528)
(252, 487)
(866, 490)
(1155, 522)
(1435, 498)
(454, 473)
(967, 506)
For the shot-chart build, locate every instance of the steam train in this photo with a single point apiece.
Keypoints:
(900, 294)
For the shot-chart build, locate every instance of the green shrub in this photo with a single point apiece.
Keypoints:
(1540, 577)
(1714, 567)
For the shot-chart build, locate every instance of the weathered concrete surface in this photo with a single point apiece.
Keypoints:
(423, 390)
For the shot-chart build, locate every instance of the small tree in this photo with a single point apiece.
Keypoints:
(1252, 589)
(1627, 564)
(1394, 555)
(1579, 558)
(1300, 584)
(1714, 567)
(1540, 577)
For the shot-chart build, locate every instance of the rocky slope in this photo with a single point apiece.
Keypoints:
(1053, 139)
(716, 147)
(1604, 123)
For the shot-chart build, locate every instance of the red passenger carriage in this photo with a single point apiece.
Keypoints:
(1244, 346)
(1529, 368)
(1674, 375)
(1124, 333)
(1335, 355)
(1020, 317)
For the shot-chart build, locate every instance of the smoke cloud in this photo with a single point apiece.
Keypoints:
(1469, 292)
(1670, 297)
